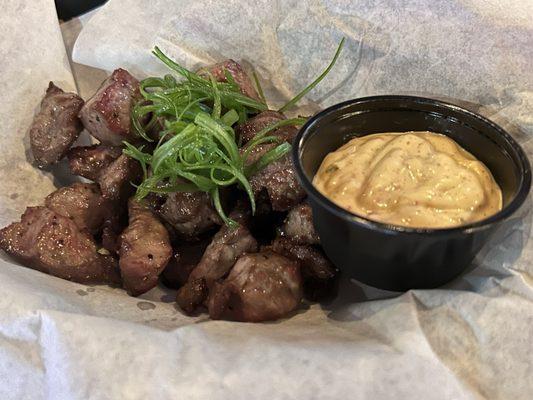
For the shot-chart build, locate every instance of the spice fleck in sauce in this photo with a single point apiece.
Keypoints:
(414, 179)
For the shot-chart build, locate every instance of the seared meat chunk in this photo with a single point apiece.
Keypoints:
(116, 180)
(299, 226)
(226, 247)
(190, 213)
(144, 249)
(260, 287)
(279, 180)
(193, 294)
(186, 258)
(106, 115)
(247, 130)
(236, 71)
(49, 242)
(56, 126)
(89, 161)
(320, 276)
(81, 202)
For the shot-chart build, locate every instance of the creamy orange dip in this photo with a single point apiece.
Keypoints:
(414, 179)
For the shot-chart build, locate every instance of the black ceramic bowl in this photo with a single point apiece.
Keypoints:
(393, 257)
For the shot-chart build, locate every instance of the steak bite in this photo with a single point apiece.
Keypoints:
(319, 275)
(190, 213)
(145, 249)
(56, 126)
(106, 115)
(279, 180)
(299, 226)
(225, 248)
(191, 295)
(116, 181)
(236, 71)
(90, 161)
(82, 203)
(260, 287)
(247, 130)
(49, 242)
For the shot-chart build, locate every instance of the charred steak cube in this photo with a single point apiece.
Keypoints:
(247, 130)
(190, 296)
(225, 248)
(190, 213)
(56, 126)
(236, 71)
(145, 249)
(260, 287)
(319, 275)
(83, 203)
(299, 226)
(279, 180)
(116, 181)
(90, 161)
(106, 115)
(49, 242)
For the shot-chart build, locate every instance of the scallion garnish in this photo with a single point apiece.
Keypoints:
(196, 147)
(312, 85)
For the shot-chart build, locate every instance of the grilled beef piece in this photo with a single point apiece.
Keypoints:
(186, 258)
(247, 130)
(260, 287)
(90, 161)
(320, 276)
(299, 226)
(190, 213)
(116, 180)
(279, 180)
(49, 242)
(106, 115)
(237, 73)
(83, 203)
(190, 296)
(225, 248)
(56, 126)
(144, 249)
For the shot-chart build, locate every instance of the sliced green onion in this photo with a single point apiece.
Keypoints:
(197, 149)
(312, 85)
(259, 88)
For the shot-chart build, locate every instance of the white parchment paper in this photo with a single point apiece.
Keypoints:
(469, 340)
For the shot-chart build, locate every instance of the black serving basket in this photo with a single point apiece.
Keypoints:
(393, 257)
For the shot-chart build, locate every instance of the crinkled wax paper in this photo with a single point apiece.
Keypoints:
(472, 339)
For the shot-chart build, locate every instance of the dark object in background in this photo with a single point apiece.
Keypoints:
(67, 9)
(399, 258)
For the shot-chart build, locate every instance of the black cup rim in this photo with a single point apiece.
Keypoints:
(508, 210)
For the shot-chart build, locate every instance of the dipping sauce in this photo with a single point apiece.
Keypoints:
(413, 179)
